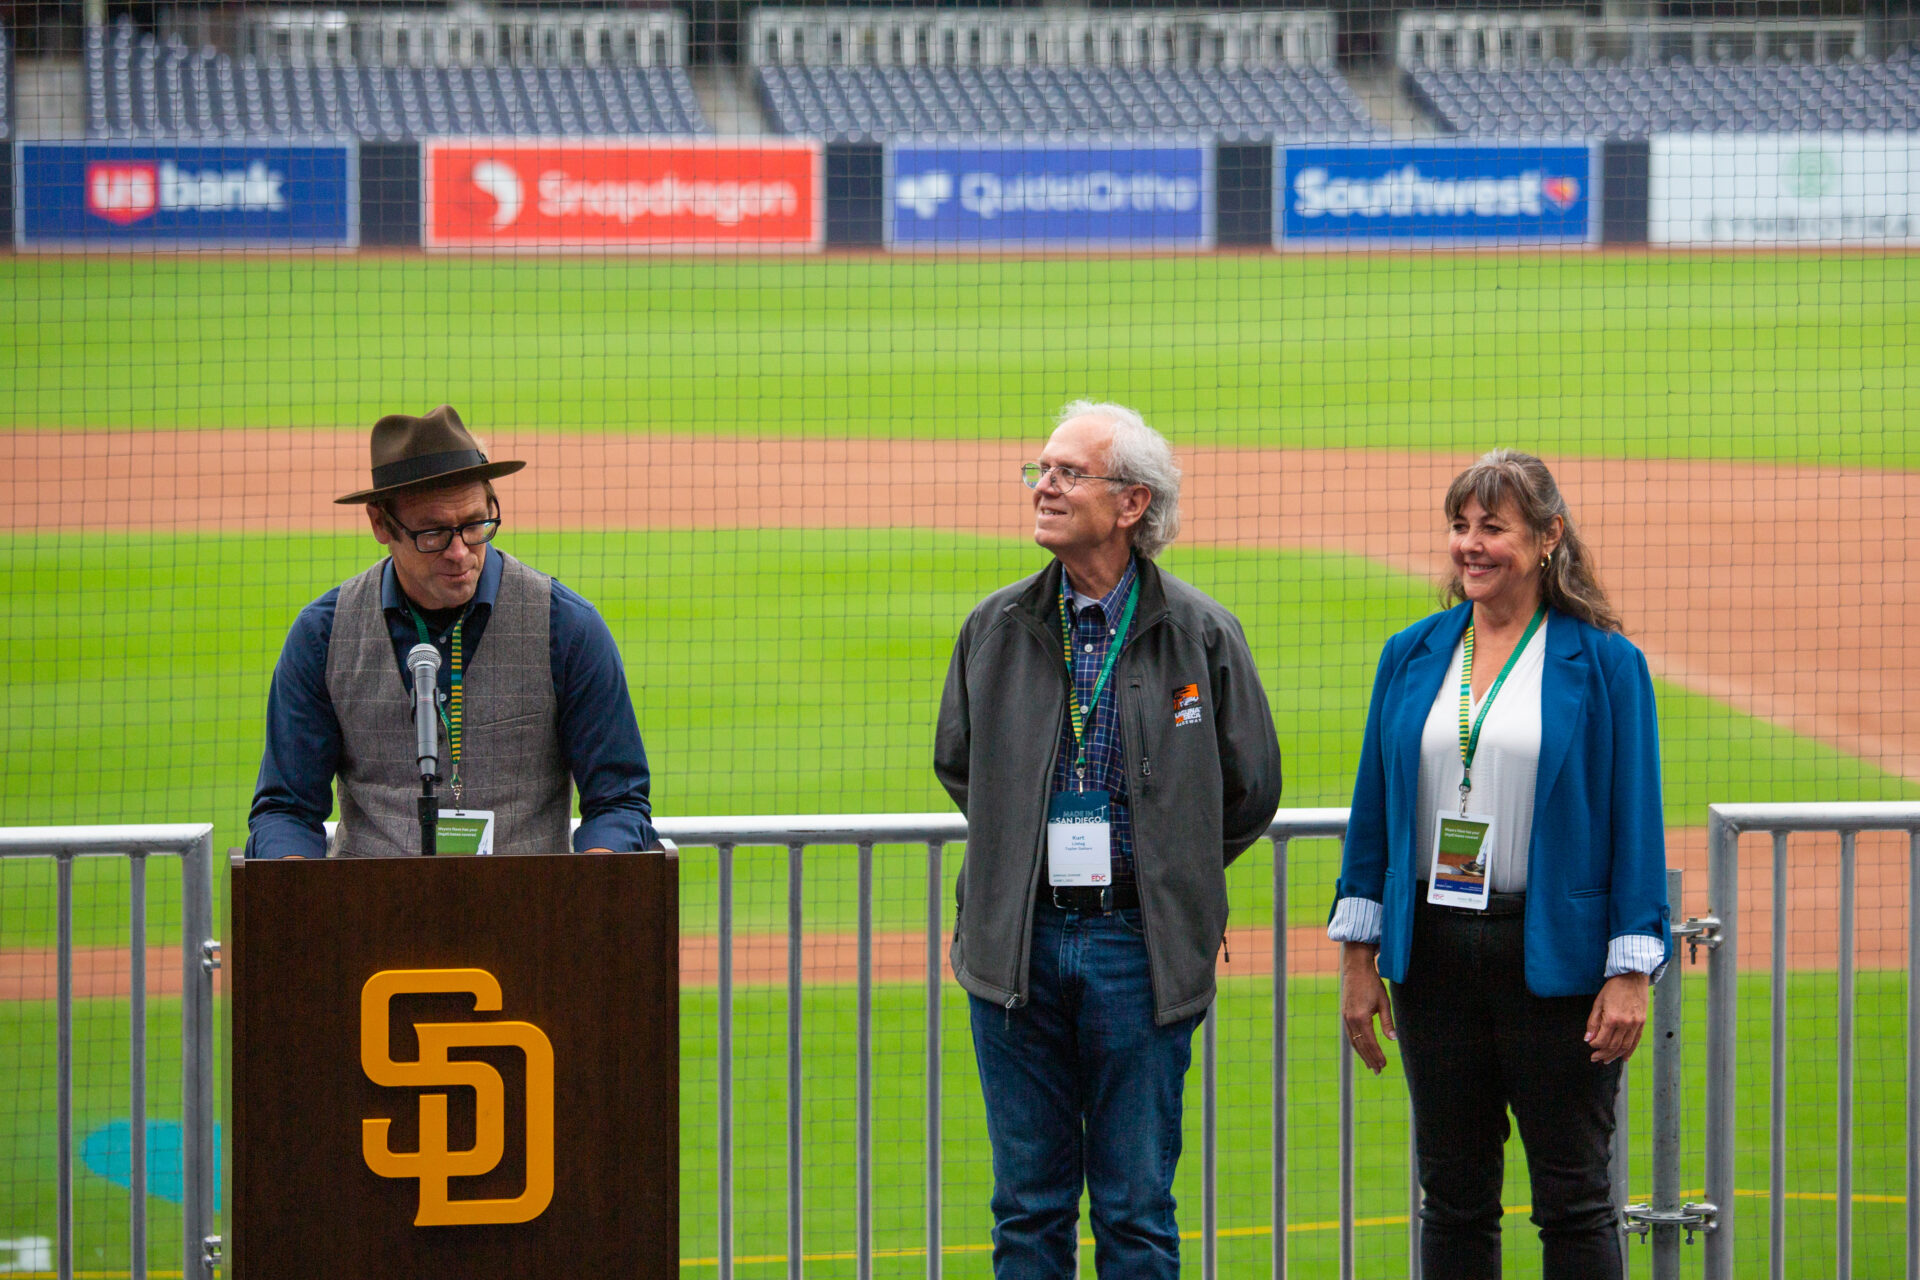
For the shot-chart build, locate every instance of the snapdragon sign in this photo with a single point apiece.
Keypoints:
(1439, 194)
(186, 194)
(1067, 194)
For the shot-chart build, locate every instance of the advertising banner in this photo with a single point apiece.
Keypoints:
(1784, 188)
(1079, 195)
(227, 195)
(1436, 194)
(591, 194)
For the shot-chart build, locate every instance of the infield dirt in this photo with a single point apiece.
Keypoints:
(1790, 593)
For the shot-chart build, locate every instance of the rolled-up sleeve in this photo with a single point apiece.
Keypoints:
(1638, 937)
(599, 736)
(1363, 862)
(294, 793)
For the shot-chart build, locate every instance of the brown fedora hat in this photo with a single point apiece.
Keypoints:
(420, 453)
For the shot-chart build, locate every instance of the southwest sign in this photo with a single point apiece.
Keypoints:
(1443, 193)
(607, 195)
(233, 195)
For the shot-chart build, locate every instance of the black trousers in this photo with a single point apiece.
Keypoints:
(1475, 1042)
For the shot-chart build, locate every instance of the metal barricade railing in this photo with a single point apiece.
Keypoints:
(1726, 824)
(192, 843)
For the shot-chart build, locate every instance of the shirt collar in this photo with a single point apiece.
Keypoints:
(1110, 604)
(485, 593)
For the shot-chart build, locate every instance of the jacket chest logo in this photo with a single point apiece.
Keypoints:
(1186, 706)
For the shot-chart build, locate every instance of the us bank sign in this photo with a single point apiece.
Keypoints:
(434, 1074)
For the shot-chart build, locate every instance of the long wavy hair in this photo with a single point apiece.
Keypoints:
(1568, 583)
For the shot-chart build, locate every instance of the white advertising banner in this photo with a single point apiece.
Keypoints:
(1784, 188)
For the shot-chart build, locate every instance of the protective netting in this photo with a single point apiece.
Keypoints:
(775, 302)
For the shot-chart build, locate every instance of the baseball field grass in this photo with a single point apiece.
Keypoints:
(773, 672)
(1788, 357)
(27, 1138)
(792, 671)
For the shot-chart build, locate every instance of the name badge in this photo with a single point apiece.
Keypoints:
(1461, 845)
(1080, 839)
(464, 831)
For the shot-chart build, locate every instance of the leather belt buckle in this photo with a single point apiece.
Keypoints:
(1077, 897)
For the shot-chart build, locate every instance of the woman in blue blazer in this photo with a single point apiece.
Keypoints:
(1505, 870)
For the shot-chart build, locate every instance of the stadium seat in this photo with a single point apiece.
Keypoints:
(139, 87)
(1635, 101)
(851, 103)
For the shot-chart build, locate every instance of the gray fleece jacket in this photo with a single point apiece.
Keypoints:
(1201, 792)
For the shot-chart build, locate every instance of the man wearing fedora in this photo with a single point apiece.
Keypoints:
(533, 695)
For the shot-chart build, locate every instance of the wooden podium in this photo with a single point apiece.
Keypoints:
(455, 1068)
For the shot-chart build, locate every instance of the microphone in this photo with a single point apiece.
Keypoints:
(423, 660)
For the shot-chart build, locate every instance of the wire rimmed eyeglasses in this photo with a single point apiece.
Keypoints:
(1066, 477)
(433, 541)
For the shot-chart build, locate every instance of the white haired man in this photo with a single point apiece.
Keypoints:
(1104, 731)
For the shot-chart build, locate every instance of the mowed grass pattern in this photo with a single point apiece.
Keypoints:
(27, 1140)
(773, 672)
(1789, 357)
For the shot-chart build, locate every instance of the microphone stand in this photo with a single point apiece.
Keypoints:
(429, 816)
(424, 661)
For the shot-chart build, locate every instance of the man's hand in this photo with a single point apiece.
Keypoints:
(1363, 997)
(1619, 1016)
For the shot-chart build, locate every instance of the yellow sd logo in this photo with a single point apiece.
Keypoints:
(433, 1164)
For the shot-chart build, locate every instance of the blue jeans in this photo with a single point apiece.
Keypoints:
(1081, 1086)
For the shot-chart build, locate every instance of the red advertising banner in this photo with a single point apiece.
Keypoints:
(587, 194)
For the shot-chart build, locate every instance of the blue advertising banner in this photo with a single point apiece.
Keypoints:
(186, 194)
(1441, 193)
(1083, 194)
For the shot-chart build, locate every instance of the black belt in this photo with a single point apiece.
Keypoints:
(1090, 899)
(1499, 904)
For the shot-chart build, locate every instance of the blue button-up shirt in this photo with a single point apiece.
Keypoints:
(598, 735)
(1094, 623)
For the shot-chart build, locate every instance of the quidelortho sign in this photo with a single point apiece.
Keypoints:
(1784, 188)
(187, 194)
(593, 193)
(1442, 193)
(1093, 194)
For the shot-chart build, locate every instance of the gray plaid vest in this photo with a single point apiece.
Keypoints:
(510, 760)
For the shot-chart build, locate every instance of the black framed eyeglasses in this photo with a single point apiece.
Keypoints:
(1066, 477)
(433, 541)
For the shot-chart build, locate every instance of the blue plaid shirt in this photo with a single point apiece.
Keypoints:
(1093, 626)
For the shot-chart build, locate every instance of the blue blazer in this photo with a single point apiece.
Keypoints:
(1596, 865)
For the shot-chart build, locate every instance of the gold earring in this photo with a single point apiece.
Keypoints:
(1546, 561)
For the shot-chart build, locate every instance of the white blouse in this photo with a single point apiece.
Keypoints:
(1505, 765)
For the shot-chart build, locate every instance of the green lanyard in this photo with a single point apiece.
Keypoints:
(1470, 738)
(1106, 669)
(450, 715)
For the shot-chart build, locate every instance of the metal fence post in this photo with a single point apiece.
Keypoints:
(1666, 1113)
(935, 884)
(200, 956)
(863, 1124)
(1913, 1058)
(724, 1063)
(796, 1258)
(1843, 1155)
(1723, 896)
(137, 1067)
(1209, 1143)
(1777, 1064)
(63, 1054)
(1620, 1161)
(1279, 1205)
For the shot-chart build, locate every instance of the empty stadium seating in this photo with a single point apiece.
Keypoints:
(6, 86)
(138, 87)
(842, 103)
(1636, 101)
